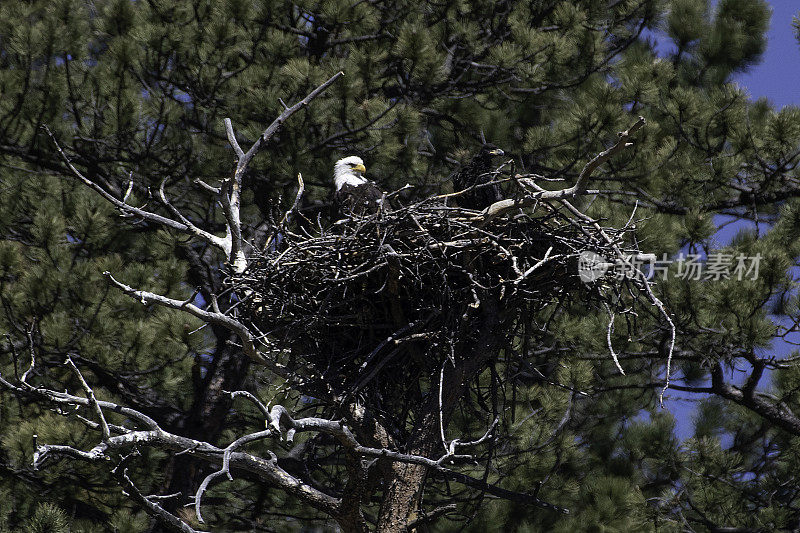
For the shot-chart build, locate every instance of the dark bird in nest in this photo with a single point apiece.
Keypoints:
(355, 194)
(474, 176)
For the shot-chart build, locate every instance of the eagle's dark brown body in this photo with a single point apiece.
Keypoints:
(357, 199)
(476, 173)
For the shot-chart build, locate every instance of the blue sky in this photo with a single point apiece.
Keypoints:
(777, 78)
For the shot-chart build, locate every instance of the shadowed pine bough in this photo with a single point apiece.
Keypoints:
(382, 321)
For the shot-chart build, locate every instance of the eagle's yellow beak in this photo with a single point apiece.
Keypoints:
(360, 168)
(497, 151)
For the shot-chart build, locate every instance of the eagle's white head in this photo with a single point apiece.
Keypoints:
(349, 170)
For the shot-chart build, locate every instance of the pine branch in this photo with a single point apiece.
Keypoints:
(230, 192)
(214, 317)
(184, 226)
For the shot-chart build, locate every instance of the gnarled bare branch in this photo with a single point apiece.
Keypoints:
(503, 206)
(214, 317)
(231, 190)
(122, 205)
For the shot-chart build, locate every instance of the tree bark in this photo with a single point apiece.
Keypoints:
(398, 500)
(403, 482)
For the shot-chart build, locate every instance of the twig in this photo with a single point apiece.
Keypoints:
(276, 125)
(92, 400)
(609, 331)
(130, 188)
(206, 186)
(428, 517)
(248, 342)
(24, 379)
(539, 263)
(447, 450)
(455, 442)
(151, 507)
(287, 217)
(232, 138)
(261, 407)
(602, 157)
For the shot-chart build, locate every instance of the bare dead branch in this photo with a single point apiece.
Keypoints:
(230, 192)
(92, 400)
(457, 443)
(128, 209)
(232, 138)
(529, 271)
(279, 417)
(342, 433)
(609, 331)
(129, 189)
(432, 516)
(261, 407)
(174, 210)
(226, 467)
(159, 438)
(206, 186)
(441, 416)
(287, 217)
(69, 399)
(579, 188)
(32, 350)
(602, 157)
(152, 508)
(248, 342)
(276, 125)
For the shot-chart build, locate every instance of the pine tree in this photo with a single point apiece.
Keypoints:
(136, 93)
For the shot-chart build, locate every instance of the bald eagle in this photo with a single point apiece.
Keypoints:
(475, 173)
(354, 193)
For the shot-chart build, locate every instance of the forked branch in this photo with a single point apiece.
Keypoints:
(579, 188)
(231, 190)
(228, 195)
(213, 317)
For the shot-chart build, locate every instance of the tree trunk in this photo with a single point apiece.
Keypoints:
(399, 497)
(403, 481)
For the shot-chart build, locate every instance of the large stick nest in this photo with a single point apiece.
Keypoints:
(398, 290)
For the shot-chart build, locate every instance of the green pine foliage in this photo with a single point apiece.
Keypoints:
(48, 519)
(139, 90)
